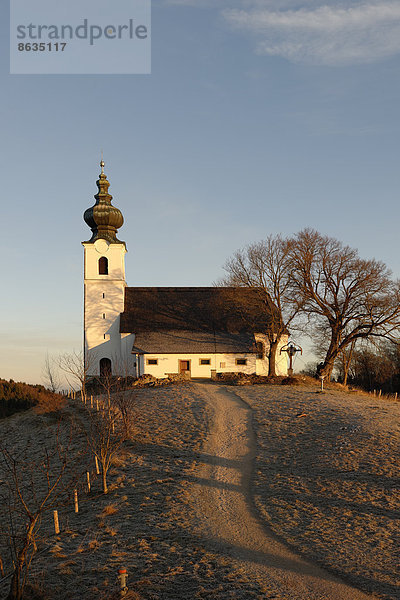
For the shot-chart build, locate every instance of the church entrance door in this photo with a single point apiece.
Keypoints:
(184, 368)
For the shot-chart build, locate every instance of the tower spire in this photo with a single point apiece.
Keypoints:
(103, 218)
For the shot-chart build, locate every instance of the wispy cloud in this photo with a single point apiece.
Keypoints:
(326, 34)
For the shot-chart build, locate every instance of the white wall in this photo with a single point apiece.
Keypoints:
(169, 363)
(103, 303)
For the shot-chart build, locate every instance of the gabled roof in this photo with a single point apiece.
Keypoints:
(193, 342)
(220, 309)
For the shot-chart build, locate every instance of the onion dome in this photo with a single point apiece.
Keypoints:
(103, 218)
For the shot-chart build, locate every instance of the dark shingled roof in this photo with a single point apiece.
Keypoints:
(193, 342)
(208, 309)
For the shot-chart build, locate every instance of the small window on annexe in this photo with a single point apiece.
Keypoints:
(260, 350)
(152, 361)
(103, 266)
(241, 361)
(205, 361)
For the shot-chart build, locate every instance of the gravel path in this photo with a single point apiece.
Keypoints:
(227, 516)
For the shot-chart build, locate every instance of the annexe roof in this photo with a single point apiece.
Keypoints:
(193, 342)
(220, 309)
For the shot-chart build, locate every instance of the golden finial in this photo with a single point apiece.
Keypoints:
(102, 163)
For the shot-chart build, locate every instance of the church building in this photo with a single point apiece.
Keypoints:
(197, 331)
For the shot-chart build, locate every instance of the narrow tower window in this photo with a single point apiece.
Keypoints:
(103, 266)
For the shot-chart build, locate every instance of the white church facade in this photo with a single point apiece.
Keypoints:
(164, 331)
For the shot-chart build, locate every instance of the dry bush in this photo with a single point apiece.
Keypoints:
(237, 378)
(150, 381)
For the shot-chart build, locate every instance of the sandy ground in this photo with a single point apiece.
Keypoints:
(327, 479)
(189, 516)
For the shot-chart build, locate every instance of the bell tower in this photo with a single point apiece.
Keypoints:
(104, 285)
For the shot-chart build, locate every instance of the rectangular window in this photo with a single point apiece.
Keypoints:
(241, 361)
(104, 336)
(205, 361)
(152, 361)
(104, 295)
(104, 315)
(222, 365)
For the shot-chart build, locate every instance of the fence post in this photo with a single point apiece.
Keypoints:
(56, 524)
(122, 576)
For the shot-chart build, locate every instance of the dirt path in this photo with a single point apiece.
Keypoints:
(226, 513)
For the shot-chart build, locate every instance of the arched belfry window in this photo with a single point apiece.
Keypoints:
(105, 367)
(103, 266)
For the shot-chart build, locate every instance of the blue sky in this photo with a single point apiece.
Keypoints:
(259, 117)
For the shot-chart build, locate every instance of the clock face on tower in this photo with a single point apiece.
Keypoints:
(101, 246)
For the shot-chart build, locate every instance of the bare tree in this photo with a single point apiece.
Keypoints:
(376, 365)
(31, 487)
(76, 367)
(51, 378)
(104, 437)
(266, 267)
(354, 298)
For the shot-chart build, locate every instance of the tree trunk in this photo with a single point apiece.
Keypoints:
(104, 478)
(273, 346)
(331, 355)
(17, 581)
(347, 362)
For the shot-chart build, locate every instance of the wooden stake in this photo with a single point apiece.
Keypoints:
(97, 404)
(56, 524)
(91, 401)
(380, 393)
(395, 396)
(76, 501)
(88, 480)
(97, 465)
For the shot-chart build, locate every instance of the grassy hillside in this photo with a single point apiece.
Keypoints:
(15, 397)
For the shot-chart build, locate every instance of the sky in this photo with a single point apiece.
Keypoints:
(259, 117)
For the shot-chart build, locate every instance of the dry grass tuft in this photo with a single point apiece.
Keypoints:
(120, 460)
(108, 510)
(94, 544)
